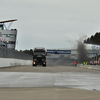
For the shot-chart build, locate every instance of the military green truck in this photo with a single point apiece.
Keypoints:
(39, 56)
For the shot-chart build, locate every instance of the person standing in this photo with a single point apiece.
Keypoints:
(75, 64)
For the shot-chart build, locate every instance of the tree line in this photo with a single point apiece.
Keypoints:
(30, 52)
(94, 39)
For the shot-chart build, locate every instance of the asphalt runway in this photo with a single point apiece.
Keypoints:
(88, 81)
(51, 82)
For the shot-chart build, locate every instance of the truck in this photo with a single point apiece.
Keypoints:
(39, 56)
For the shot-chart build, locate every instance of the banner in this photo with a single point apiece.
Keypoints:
(59, 51)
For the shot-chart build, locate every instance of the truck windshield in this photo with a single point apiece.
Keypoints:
(39, 51)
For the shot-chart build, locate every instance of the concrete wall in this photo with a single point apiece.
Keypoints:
(7, 62)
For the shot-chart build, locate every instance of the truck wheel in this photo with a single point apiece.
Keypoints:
(44, 65)
(33, 65)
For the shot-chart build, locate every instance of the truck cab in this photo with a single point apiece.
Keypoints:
(39, 56)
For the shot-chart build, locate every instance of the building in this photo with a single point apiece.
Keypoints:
(7, 37)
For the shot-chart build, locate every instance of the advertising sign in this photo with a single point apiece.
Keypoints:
(59, 51)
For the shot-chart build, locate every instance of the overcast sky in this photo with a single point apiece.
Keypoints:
(51, 23)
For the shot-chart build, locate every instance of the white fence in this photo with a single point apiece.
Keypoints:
(8, 62)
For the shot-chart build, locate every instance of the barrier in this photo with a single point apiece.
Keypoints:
(9, 53)
(8, 62)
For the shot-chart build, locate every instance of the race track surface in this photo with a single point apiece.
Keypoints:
(51, 82)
